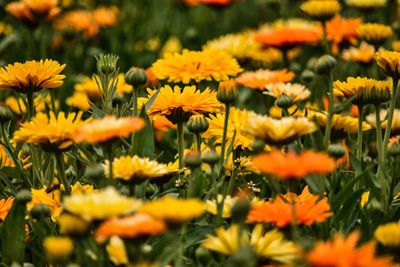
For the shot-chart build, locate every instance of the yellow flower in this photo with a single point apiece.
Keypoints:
(196, 65)
(32, 76)
(388, 234)
(116, 251)
(396, 46)
(371, 118)
(226, 241)
(321, 9)
(260, 78)
(297, 92)
(90, 87)
(57, 247)
(374, 32)
(366, 3)
(54, 133)
(72, 224)
(79, 100)
(389, 61)
(5, 29)
(180, 104)
(135, 169)
(229, 202)
(237, 124)
(79, 188)
(365, 90)
(364, 199)
(100, 205)
(49, 197)
(172, 45)
(278, 131)
(174, 210)
(363, 54)
(5, 159)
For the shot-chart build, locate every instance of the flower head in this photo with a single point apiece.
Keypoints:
(363, 54)
(321, 9)
(57, 247)
(107, 128)
(388, 234)
(292, 165)
(389, 61)
(196, 65)
(32, 76)
(374, 32)
(366, 4)
(260, 78)
(116, 251)
(5, 207)
(340, 30)
(49, 197)
(371, 118)
(297, 92)
(33, 11)
(78, 21)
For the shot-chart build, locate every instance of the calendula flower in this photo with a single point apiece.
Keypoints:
(289, 33)
(388, 234)
(100, 205)
(107, 128)
(133, 226)
(32, 76)
(326, 253)
(363, 54)
(166, 209)
(366, 4)
(178, 104)
(237, 124)
(293, 166)
(106, 16)
(243, 46)
(116, 251)
(365, 90)
(5, 207)
(5, 159)
(260, 78)
(32, 11)
(297, 92)
(78, 188)
(396, 46)
(90, 87)
(40, 102)
(389, 61)
(197, 66)
(226, 241)
(339, 30)
(49, 197)
(278, 131)
(81, 21)
(79, 100)
(229, 202)
(52, 134)
(72, 224)
(321, 9)
(208, 2)
(371, 118)
(135, 169)
(57, 247)
(305, 209)
(374, 32)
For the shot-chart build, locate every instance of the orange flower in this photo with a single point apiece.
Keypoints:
(339, 30)
(293, 166)
(306, 207)
(208, 2)
(107, 128)
(133, 226)
(343, 252)
(105, 16)
(33, 10)
(78, 21)
(161, 125)
(5, 206)
(260, 78)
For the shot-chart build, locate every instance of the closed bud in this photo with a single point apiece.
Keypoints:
(193, 159)
(307, 76)
(325, 64)
(136, 77)
(284, 101)
(23, 196)
(336, 151)
(197, 123)
(394, 149)
(107, 64)
(40, 211)
(240, 210)
(5, 114)
(94, 172)
(227, 92)
(211, 157)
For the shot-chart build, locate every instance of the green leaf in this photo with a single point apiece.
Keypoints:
(143, 144)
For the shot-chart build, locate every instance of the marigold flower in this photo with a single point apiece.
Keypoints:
(260, 78)
(388, 234)
(57, 247)
(166, 209)
(278, 131)
(297, 92)
(72, 224)
(105, 16)
(179, 104)
(41, 101)
(79, 100)
(340, 30)
(90, 86)
(363, 54)
(100, 205)
(5, 207)
(133, 226)
(78, 21)
(389, 61)
(292, 165)
(116, 251)
(366, 4)
(5, 159)
(227, 241)
(32, 76)
(321, 9)
(326, 253)
(33, 10)
(229, 202)
(374, 32)
(52, 134)
(371, 118)
(107, 128)
(396, 46)
(208, 2)
(196, 65)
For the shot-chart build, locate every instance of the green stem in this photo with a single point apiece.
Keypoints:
(197, 137)
(9, 148)
(135, 102)
(180, 144)
(53, 101)
(328, 125)
(61, 170)
(224, 134)
(30, 108)
(390, 117)
(378, 133)
(110, 157)
(360, 134)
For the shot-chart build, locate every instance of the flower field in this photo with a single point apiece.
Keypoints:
(146, 133)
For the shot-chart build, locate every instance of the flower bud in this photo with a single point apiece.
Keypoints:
(107, 64)
(325, 64)
(197, 123)
(192, 159)
(5, 114)
(307, 76)
(284, 101)
(94, 172)
(23, 196)
(211, 157)
(336, 151)
(227, 92)
(136, 77)
(40, 211)
(240, 210)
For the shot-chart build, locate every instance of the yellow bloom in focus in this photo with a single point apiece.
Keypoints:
(116, 251)
(179, 104)
(32, 76)
(389, 61)
(388, 234)
(196, 65)
(229, 202)
(260, 78)
(49, 197)
(57, 247)
(100, 205)
(364, 54)
(174, 210)
(297, 92)
(374, 32)
(321, 9)
(54, 133)
(278, 131)
(135, 169)
(90, 87)
(366, 4)
(79, 100)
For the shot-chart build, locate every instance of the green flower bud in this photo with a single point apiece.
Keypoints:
(40, 211)
(197, 123)
(307, 76)
(336, 151)
(94, 172)
(136, 77)
(211, 157)
(284, 101)
(240, 210)
(227, 92)
(107, 64)
(192, 159)
(23, 196)
(325, 64)
(5, 114)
